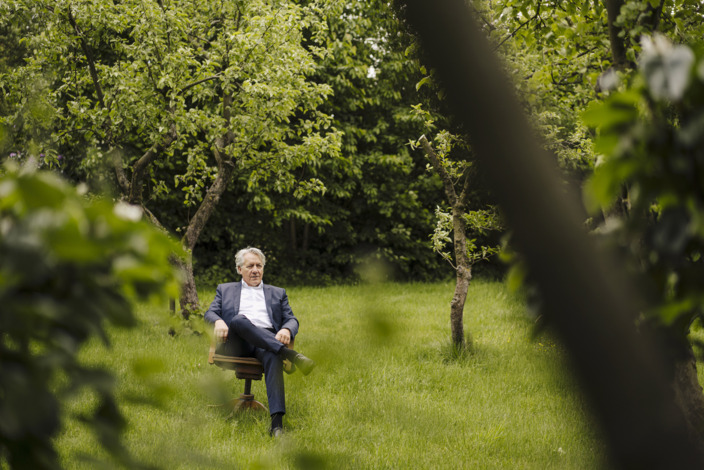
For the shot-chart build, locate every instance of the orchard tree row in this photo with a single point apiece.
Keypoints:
(283, 125)
(296, 125)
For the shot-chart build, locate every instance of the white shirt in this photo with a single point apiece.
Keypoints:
(253, 305)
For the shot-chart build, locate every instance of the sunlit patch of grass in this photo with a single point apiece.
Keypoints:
(388, 391)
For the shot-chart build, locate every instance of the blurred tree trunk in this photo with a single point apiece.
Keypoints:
(689, 394)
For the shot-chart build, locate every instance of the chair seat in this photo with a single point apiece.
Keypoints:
(244, 367)
(232, 361)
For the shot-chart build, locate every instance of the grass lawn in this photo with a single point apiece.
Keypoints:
(385, 394)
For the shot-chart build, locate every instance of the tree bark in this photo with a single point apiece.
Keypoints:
(463, 278)
(463, 268)
(689, 394)
(618, 45)
(188, 300)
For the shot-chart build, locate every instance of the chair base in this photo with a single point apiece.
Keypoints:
(244, 403)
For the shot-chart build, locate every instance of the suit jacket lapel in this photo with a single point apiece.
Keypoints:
(267, 300)
(236, 294)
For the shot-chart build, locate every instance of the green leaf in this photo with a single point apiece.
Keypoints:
(424, 81)
(609, 114)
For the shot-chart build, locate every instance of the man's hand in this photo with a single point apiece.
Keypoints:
(220, 330)
(284, 336)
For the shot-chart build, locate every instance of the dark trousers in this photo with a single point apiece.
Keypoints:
(246, 340)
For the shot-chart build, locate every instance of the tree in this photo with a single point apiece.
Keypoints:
(69, 265)
(459, 222)
(182, 98)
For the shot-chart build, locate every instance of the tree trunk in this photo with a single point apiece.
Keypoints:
(618, 46)
(292, 234)
(689, 395)
(189, 296)
(226, 168)
(464, 275)
(652, 19)
(306, 236)
(188, 301)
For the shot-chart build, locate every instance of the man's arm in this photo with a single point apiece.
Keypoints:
(288, 320)
(220, 330)
(213, 315)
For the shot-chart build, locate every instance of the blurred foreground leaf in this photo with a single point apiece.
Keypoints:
(68, 264)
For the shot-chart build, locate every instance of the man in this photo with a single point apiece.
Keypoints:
(254, 319)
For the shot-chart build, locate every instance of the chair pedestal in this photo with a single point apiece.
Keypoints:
(245, 402)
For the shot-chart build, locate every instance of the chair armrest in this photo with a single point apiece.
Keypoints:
(288, 365)
(211, 354)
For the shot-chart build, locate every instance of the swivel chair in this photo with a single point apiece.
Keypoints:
(228, 356)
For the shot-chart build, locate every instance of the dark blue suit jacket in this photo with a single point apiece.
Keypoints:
(226, 305)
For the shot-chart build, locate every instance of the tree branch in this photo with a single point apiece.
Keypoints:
(466, 191)
(513, 33)
(89, 57)
(208, 205)
(141, 165)
(191, 85)
(479, 15)
(152, 218)
(440, 170)
(122, 179)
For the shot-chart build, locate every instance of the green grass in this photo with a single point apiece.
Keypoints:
(387, 392)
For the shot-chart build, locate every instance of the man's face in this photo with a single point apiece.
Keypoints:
(251, 270)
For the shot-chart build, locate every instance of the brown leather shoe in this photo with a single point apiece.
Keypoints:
(304, 364)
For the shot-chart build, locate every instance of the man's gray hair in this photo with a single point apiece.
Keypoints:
(239, 257)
